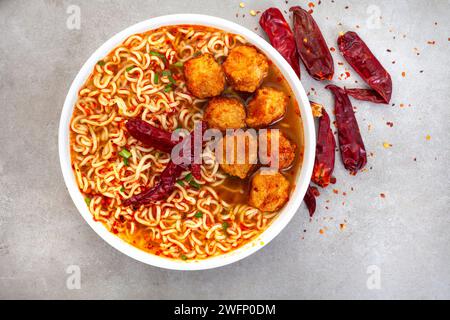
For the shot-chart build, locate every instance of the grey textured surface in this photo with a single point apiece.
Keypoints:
(406, 234)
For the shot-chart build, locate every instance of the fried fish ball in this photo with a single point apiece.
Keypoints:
(245, 68)
(267, 106)
(204, 76)
(286, 149)
(269, 192)
(245, 156)
(225, 113)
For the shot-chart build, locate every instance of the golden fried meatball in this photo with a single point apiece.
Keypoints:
(225, 113)
(269, 191)
(245, 68)
(267, 106)
(204, 76)
(286, 149)
(240, 154)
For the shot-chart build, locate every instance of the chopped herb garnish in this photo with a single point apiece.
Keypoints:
(188, 177)
(87, 200)
(125, 154)
(101, 63)
(122, 189)
(198, 214)
(125, 161)
(181, 183)
(157, 54)
(178, 64)
(130, 68)
(171, 79)
(194, 184)
(168, 88)
(183, 257)
(156, 78)
(168, 74)
(225, 226)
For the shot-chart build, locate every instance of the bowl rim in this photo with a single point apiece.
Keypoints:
(302, 179)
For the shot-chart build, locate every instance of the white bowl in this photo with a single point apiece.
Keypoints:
(302, 180)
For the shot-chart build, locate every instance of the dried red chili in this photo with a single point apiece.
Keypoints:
(150, 135)
(162, 190)
(280, 36)
(351, 145)
(169, 175)
(325, 152)
(365, 95)
(160, 139)
(310, 199)
(195, 166)
(311, 45)
(359, 56)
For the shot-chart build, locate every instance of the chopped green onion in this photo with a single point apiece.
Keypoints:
(157, 54)
(225, 226)
(101, 63)
(154, 53)
(130, 68)
(168, 74)
(178, 64)
(181, 183)
(125, 161)
(168, 88)
(125, 154)
(188, 177)
(88, 201)
(122, 189)
(156, 79)
(198, 214)
(194, 184)
(171, 79)
(183, 257)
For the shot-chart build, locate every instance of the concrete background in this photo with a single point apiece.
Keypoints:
(403, 237)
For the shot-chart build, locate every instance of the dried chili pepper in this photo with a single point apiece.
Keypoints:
(162, 190)
(281, 36)
(160, 139)
(150, 135)
(195, 166)
(352, 148)
(359, 56)
(311, 45)
(169, 175)
(310, 199)
(325, 152)
(365, 95)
